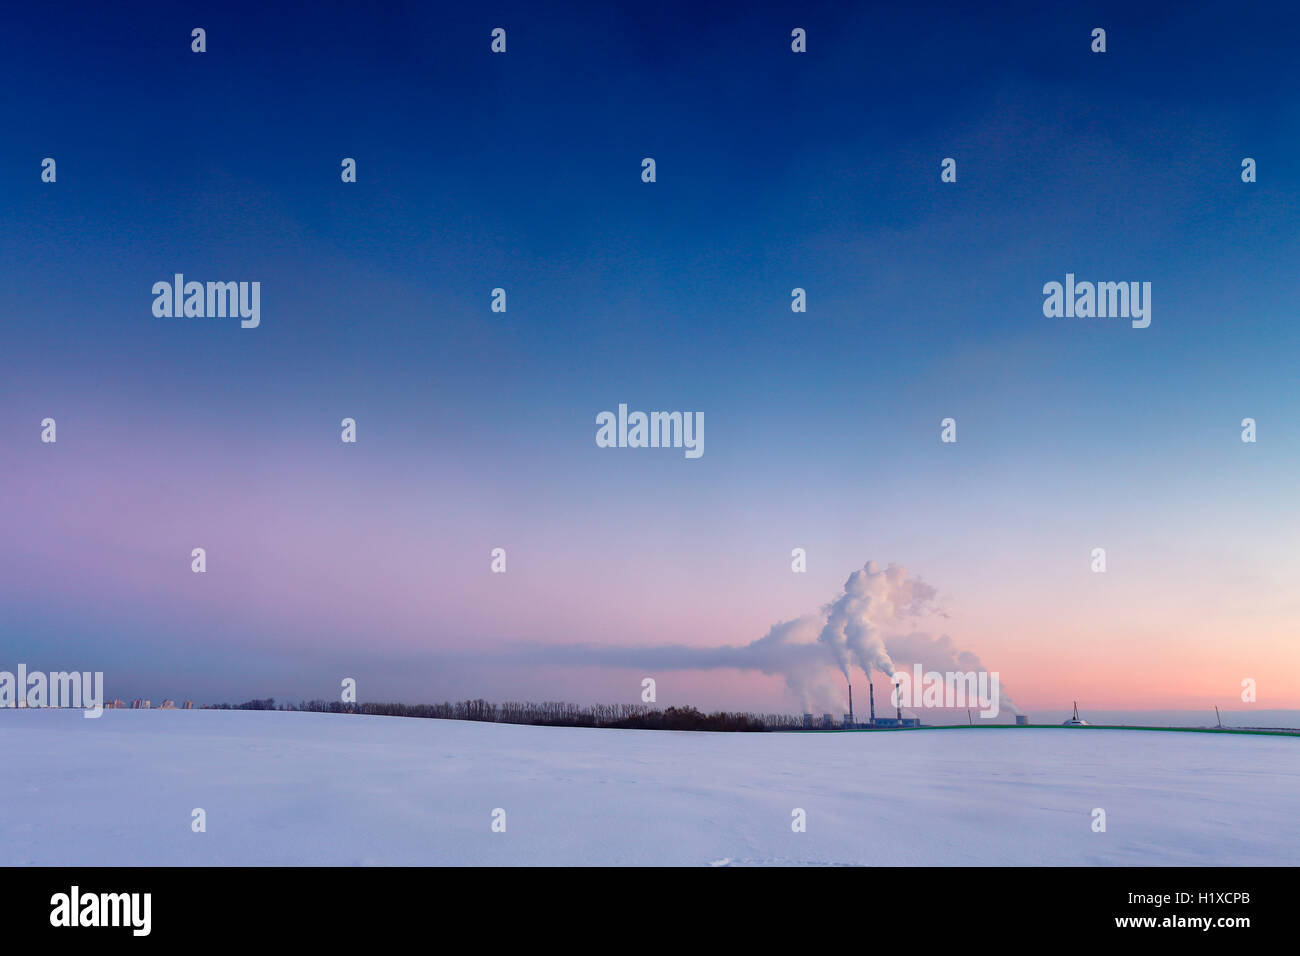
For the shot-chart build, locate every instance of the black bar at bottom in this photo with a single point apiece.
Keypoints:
(650, 907)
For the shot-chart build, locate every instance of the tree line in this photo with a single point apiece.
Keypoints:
(547, 714)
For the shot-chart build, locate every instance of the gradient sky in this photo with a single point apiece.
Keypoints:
(476, 429)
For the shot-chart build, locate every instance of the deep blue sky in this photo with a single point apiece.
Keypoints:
(775, 170)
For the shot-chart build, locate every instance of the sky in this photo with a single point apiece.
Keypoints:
(476, 429)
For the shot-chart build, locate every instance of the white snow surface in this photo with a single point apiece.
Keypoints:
(296, 788)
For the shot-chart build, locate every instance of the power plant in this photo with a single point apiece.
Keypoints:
(873, 722)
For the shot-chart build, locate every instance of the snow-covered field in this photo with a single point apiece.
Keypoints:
(294, 788)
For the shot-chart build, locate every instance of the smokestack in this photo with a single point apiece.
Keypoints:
(872, 688)
(898, 696)
(850, 703)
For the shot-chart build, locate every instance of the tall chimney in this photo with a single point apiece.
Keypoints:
(872, 688)
(850, 703)
(898, 696)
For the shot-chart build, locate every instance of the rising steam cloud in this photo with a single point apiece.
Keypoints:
(872, 599)
(868, 626)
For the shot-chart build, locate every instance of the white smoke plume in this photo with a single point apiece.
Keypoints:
(867, 626)
(872, 600)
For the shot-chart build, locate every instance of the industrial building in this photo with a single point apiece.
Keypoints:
(850, 722)
(827, 722)
(897, 722)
